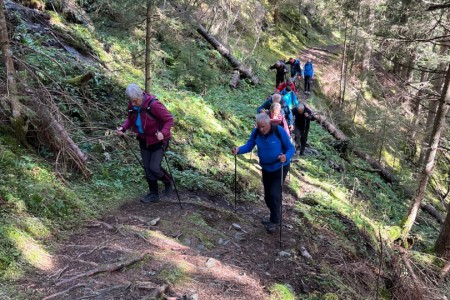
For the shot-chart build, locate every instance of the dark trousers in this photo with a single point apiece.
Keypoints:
(152, 156)
(301, 137)
(279, 78)
(307, 83)
(272, 192)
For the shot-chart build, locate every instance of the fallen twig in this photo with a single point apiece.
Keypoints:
(108, 268)
(63, 292)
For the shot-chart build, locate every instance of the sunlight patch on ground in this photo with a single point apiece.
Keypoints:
(31, 250)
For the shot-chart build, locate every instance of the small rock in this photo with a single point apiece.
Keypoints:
(226, 242)
(187, 241)
(201, 247)
(220, 242)
(236, 226)
(267, 273)
(284, 254)
(193, 297)
(212, 263)
(154, 221)
(305, 253)
(289, 226)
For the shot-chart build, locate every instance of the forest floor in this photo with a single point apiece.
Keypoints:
(205, 250)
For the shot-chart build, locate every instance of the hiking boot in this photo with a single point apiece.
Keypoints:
(271, 228)
(150, 198)
(265, 222)
(168, 189)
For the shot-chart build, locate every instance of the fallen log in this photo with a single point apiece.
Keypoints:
(433, 212)
(237, 65)
(340, 136)
(234, 79)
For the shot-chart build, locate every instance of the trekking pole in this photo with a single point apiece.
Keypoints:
(125, 138)
(171, 175)
(281, 204)
(235, 183)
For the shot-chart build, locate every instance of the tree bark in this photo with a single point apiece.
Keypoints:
(276, 11)
(427, 169)
(234, 79)
(227, 55)
(442, 245)
(343, 67)
(368, 44)
(11, 103)
(416, 116)
(148, 35)
(433, 106)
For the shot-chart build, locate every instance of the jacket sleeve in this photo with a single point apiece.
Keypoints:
(272, 67)
(286, 141)
(250, 143)
(310, 115)
(288, 116)
(166, 118)
(265, 105)
(127, 123)
(295, 100)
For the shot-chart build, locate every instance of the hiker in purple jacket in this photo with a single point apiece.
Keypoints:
(151, 121)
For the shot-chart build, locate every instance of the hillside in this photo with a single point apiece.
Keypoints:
(68, 235)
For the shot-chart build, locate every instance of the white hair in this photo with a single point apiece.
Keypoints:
(262, 118)
(133, 91)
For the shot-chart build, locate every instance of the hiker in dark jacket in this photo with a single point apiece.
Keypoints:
(296, 69)
(274, 150)
(277, 98)
(152, 122)
(280, 66)
(308, 74)
(303, 116)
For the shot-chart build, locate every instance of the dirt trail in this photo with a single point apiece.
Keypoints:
(203, 251)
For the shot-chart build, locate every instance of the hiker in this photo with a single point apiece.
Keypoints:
(274, 149)
(152, 122)
(303, 116)
(287, 113)
(289, 97)
(277, 118)
(296, 69)
(284, 85)
(281, 69)
(308, 74)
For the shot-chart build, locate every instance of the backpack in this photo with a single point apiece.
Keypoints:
(274, 128)
(149, 112)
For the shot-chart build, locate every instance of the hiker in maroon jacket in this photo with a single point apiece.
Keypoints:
(151, 121)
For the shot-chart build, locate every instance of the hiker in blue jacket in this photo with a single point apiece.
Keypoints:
(285, 110)
(274, 150)
(308, 74)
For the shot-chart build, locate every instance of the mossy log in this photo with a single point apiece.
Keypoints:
(78, 80)
(237, 65)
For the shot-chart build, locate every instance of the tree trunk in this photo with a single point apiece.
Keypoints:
(368, 44)
(442, 245)
(11, 102)
(234, 79)
(416, 116)
(344, 54)
(427, 169)
(148, 35)
(276, 12)
(227, 55)
(437, 85)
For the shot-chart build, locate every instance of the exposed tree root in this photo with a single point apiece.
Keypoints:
(108, 268)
